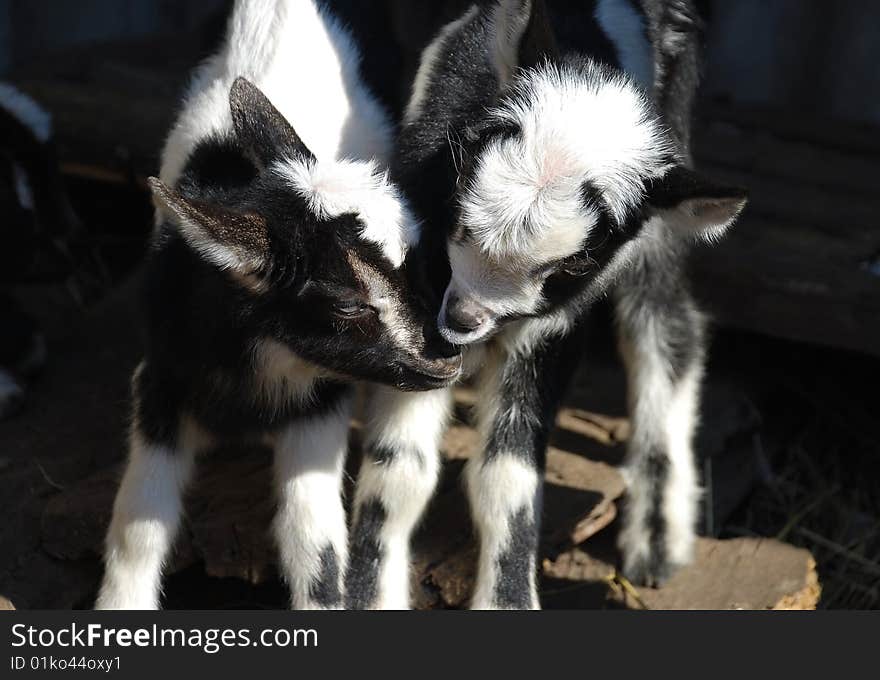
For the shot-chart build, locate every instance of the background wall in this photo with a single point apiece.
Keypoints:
(31, 27)
(777, 52)
(797, 54)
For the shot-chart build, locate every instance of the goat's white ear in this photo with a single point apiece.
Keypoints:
(228, 239)
(522, 36)
(692, 204)
(262, 130)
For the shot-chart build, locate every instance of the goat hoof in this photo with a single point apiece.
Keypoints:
(650, 571)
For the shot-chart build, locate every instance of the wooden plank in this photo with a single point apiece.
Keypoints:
(794, 125)
(838, 215)
(796, 280)
(763, 153)
(743, 573)
(100, 127)
(798, 264)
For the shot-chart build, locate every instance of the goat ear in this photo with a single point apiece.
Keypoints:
(265, 134)
(692, 204)
(228, 239)
(522, 36)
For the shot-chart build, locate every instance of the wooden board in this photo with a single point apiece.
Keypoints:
(803, 262)
(227, 532)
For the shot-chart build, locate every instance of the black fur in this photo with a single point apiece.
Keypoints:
(365, 555)
(657, 470)
(660, 293)
(675, 28)
(655, 568)
(384, 455)
(512, 590)
(324, 590)
(533, 384)
(428, 154)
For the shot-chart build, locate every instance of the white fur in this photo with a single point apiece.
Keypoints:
(488, 387)
(309, 460)
(307, 64)
(473, 359)
(236, 260)
(360, 188)
(501, 289)
(703, 218)
(146, 516)
(392, 310)
(664, 416)
(526, 200)
(280, 376)
(411, 425)
(498, 490)
(428, 60)
(26, 111)
(523, 337)
(681, 500)
(625, 28)
(221, 255)
(413, 419)
(525, 206)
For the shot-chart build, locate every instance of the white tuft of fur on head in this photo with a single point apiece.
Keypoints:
(360, 188)
(577, 125)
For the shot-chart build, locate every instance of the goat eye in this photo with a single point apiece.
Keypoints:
(351, 309)
(577, 265)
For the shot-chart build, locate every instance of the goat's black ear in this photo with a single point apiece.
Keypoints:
(522, 36)
(227, 238)
(693, 204)
(264, 133)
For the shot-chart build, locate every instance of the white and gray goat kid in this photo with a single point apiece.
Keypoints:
(554, 174)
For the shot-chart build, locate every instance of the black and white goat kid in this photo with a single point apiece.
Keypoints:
(276, 278)
(555, 179)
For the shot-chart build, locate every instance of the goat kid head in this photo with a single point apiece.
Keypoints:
(565, 171)
(317, 249)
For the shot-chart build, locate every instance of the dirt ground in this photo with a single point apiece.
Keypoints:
(788, 443)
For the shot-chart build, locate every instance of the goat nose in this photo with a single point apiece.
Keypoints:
(464, 316)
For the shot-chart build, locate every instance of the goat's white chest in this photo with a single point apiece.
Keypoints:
(281, 376)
